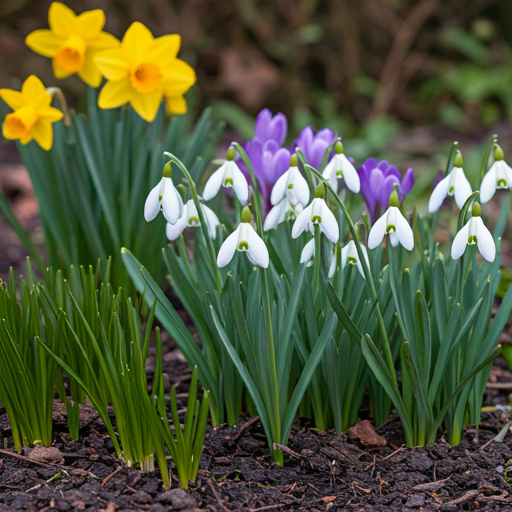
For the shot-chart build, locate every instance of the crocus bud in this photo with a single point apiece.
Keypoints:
(338, 147)
(246, 215)
(183, 191)
(167, 172)
(476, 211)
(320, 191)
(294, 161)
(498, 153)
(230, 155)
(458, 162)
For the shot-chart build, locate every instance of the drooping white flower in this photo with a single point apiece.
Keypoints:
(317, 213)
(394, 224)
(308, 252)
(455, 184)
(474, 232)
(228, 175)
(244, 239)
(164, 197)
(292, 185)
(190, 218)
(341, 167)
(350, 256)
(281, 212)
(498, 176)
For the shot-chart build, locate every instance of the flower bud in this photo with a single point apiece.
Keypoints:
(338, 147)
(167, 172)
(320, 191)
(230, 155)
(393, 198)
(246, 215)
(183, 191)
(294, 161)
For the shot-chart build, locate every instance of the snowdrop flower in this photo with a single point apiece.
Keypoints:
(308, 252)
(190, 218)
(227, 175)
(164, 197)
(349, 256)
(498, 176)
(292, 185)
(474, 232)
(394, 224)
(341, 167)
(455, 184)
(318, 213)
(281, 212)
(244, 239)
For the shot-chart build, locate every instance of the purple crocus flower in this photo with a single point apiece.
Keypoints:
(269, 160)
(377, 182)
(314, 146)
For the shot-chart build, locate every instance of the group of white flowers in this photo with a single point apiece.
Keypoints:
(289, 198)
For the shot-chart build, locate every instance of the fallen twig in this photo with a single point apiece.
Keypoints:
(112, 475)
(431, 486)
(216, 495)
(245, 426)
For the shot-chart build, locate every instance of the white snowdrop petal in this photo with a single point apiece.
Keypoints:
(329, 224)
(462, 189)
(300, 188)
(460, 242)
(173, 231)
(359, 265)
(404, 232)
(302, 221)
(350, 175)
(240, 185)
(344, 254)
(378, 231)
(485, 241)
(228, 248)
(330, 174)
(152, 204)
(488, 185)
(308, 251)
(439, 194)
(212, 221)
(214, 183)
(172, 205)
(393, 238)
(258, 251)
(275, 216)
(332, 266)
(279, 189)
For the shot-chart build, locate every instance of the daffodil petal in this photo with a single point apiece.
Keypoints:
(13, 98)
(164, 49)
(50, 114)
(146, 104)
(59, 71)
(102, 42)
(258, 251)
(112, 64)
(178, 77)
(61, 19)
(45, 42)
(115, 93)
(460, 242)
(43, 134)
(90, 73)
(137, 41)
(228, 248)
(488, 186)
(485, 240)
(90, 23)
(377, 232)
(176, 105)
(34, 92)
(302, 221)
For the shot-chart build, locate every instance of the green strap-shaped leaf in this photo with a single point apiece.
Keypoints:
(343, 316)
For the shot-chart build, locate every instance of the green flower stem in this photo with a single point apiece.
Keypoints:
(317, 260)
(369, 279)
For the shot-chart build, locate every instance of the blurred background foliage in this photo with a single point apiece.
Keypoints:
(365, 68)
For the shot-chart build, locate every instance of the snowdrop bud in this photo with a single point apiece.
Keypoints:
(183, 191)
(167, 172)
(320, 191)
(294, 161)
(230, 155)
(476, 210)
(393, 198)
(246, 215)
(459, 161)
(338, 148)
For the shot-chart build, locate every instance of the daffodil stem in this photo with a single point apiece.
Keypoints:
(57, 91)
(368, 276)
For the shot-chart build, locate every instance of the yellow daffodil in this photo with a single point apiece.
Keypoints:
(143, 71)
(72, 42)
(175, 104)
(33, 116)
